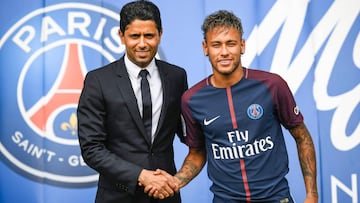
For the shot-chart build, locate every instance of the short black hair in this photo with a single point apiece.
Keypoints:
(141, 10)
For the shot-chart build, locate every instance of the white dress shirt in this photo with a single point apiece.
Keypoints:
(155, 89)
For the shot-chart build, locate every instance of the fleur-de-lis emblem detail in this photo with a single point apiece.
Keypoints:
(71, 125)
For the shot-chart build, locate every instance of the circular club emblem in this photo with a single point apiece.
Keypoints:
(45, 56)
(255, 111)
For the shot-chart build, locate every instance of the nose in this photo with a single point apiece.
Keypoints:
(142, 41)
(224, 50)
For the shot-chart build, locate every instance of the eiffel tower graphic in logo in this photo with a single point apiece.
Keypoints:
(67, 91)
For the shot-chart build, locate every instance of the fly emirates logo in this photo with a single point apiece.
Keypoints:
(240, 146)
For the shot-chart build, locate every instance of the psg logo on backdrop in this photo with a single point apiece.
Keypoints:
(48, 53)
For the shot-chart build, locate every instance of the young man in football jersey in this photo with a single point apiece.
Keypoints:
(233, 119)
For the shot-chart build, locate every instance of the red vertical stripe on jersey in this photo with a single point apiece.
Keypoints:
(231, 107)
(246, 184)
(235, 126)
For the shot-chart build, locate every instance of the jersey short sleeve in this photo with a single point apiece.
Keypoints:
(194, 136)
(285, 106)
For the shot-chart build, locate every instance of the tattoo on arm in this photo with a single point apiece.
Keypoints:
(307, 159)
(188, 172)
(192, 166)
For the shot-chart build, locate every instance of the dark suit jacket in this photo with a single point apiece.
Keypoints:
(112, 136)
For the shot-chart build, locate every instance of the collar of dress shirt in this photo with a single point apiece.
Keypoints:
(134, 70)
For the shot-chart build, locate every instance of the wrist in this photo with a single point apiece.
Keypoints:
(141, 177)
(181, 181)
(312, 195)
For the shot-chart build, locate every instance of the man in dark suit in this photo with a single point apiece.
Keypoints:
(113, 138)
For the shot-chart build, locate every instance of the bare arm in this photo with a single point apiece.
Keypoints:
(193, 163)
(306, 153)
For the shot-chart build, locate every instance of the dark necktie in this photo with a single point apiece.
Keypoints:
(146, 100)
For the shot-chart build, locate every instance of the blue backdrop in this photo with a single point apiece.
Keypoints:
(47, 47)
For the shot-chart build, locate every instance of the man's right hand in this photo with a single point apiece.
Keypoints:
(158, 184)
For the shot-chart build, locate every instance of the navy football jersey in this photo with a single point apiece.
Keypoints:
(240, 127)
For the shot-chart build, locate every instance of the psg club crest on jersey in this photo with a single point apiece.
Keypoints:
(48, 52)
(255, 111)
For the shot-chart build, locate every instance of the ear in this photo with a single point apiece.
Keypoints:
(160, 34)
(121, 35)
(242, 46)
(205, 48)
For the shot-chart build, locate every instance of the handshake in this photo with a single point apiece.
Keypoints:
(159, 184)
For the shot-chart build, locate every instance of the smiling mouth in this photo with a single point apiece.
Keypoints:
(142, 53)
(224, 62)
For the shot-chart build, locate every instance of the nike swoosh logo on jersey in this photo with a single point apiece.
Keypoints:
(208, 122)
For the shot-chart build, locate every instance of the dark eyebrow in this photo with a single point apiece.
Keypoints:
(228, 41)
(149, 34)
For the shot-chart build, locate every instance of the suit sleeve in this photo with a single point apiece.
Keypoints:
(92, 137)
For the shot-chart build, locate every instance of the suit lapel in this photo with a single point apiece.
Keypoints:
(165, 86)
(127, 93)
